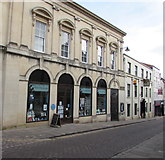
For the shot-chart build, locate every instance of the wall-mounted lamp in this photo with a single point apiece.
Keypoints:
(126, 49)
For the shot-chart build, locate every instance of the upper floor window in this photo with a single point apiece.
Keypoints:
(41, 20)
(146, 92)
(100, 55)
(66, 33)
(142, 73)
(129, 67)
(114, 49)
(141, 91)
(113, 60)
(65, 44)
(84, 46)
(101, 43)
(135, 91)
(40, 36)
(146, 74)
(136, 70)
(150, 76)
(128, 90)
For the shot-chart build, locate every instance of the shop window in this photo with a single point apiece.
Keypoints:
(85, 107)
(101, 97)
(38, 97)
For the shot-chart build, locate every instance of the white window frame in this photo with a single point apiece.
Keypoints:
(84, 52)
(113, 60)
(69, 43)
(39, 36)
(100, 57)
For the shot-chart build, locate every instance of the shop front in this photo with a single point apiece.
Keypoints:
(38, 97)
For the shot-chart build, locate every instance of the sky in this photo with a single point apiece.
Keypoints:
(142, 20)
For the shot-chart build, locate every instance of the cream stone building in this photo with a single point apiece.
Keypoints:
(139, 88)
(58, 57)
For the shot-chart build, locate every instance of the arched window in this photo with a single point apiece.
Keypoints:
(101, 97)
(85, 107)
(38, 97)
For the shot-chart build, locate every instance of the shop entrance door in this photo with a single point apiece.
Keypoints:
(65, 98)
(65, 103)
(142, 105)
(114, 105)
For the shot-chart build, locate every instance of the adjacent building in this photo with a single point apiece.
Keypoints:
(58, 57)
(158, 91)
(139, 88)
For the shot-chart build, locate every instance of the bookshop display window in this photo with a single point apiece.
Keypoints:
(101, 97)
(85, 107)
(38, 97)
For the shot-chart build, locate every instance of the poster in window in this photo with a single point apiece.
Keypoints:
(45, 107)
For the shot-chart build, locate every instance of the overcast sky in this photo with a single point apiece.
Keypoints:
(142, 20)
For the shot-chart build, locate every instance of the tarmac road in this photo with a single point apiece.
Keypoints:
(105, 143)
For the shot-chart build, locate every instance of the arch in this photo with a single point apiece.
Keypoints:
(101, 39)
(39, 76)
(43, 12)
(66, 79)
(114, 46)
(82, 76)
(64, 72)
(67, 23)
(102, 84)
(115, 81)
(86, 32)
(30, 70)
(98, 79)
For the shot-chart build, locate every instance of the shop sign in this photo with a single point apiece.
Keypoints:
(85, 90)
(146, 82)
(101, 91)
(40, 87)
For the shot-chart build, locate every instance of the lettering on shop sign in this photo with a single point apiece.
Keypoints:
(56, 122)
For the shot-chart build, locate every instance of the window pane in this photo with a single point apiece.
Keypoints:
(40, 35)
(65, 44)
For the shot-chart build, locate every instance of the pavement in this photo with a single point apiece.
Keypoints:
(21, 136)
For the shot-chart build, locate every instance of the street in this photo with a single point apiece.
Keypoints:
(105, 143)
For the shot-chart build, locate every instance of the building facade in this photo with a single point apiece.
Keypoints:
(139, 87)
(158, 91)
(58, 57)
